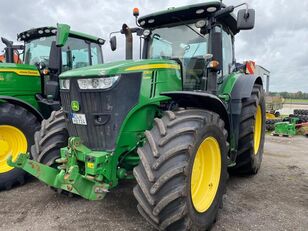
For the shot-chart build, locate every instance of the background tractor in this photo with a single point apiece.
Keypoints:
(175, 120)
(29, 91)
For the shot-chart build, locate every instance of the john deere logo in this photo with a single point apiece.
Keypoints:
(75, 105)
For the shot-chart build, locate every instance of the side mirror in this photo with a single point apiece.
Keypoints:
(63, 31)
(113, 43)
(245, 19)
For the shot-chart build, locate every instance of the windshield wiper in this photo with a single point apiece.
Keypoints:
(157, 36)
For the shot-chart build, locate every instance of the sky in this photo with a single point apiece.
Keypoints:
(279, 41)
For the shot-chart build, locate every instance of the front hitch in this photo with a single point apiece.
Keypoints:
(67, 179)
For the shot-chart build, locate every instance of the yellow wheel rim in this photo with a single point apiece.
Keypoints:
(12, 142)
(205, 176)
(258, 130)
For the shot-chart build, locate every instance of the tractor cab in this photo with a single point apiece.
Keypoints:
(199, 37)
(54, 50)
(193, 37)
(78, 49)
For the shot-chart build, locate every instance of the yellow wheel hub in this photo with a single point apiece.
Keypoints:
(12, 142)
(205, 176)
(258, 130)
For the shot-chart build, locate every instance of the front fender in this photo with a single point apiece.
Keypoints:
(201, 100)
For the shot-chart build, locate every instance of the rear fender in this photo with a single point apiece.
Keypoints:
(243, 86)
(242, 89)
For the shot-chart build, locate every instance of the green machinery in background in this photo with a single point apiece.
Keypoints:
(286, 128)
(174, 120)
(296, 123)
(29, 92)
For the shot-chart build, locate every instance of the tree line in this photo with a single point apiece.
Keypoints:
(290, 95)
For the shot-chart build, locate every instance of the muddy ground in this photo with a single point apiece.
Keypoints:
(275, 199)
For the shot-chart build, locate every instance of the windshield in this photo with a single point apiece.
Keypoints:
(75, 53)
(37, 50)
(185, 44)
(178, 41)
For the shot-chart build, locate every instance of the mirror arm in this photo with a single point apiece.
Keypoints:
(112, 33)
(242, 4)
(230, 9)
(223, 11)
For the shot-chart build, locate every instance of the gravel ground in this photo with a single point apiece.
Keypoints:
(275, 199)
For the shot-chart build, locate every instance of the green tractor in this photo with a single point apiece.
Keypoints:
(174, 121)
(29, 92)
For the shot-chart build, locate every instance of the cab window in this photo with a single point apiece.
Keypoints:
(161, 48)
(182, 42)
(96, 54)
(227, 51)
(37, 50)
(75, 54)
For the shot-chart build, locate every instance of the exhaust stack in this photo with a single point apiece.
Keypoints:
(128, 41)
(9, 51)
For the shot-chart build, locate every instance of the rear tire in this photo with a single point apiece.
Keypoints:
(26, 124)
(164, 174)
(249, 156)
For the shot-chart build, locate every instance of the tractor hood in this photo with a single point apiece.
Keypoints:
(19, 69)
(120, 67)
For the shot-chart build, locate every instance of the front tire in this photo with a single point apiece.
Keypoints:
(183, 170)
(17, 128)
(50, 139)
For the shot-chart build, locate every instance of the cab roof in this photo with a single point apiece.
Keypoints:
(50, 31)
(188, 13)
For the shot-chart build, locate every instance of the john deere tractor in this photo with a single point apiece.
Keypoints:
(175, 120)
(30, 91)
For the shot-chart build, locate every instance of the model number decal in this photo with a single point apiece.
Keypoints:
(33, 73)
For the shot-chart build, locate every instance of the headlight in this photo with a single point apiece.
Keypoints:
(97, 83)
(65, 84)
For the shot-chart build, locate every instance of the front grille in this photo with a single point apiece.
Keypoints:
(105, 110)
